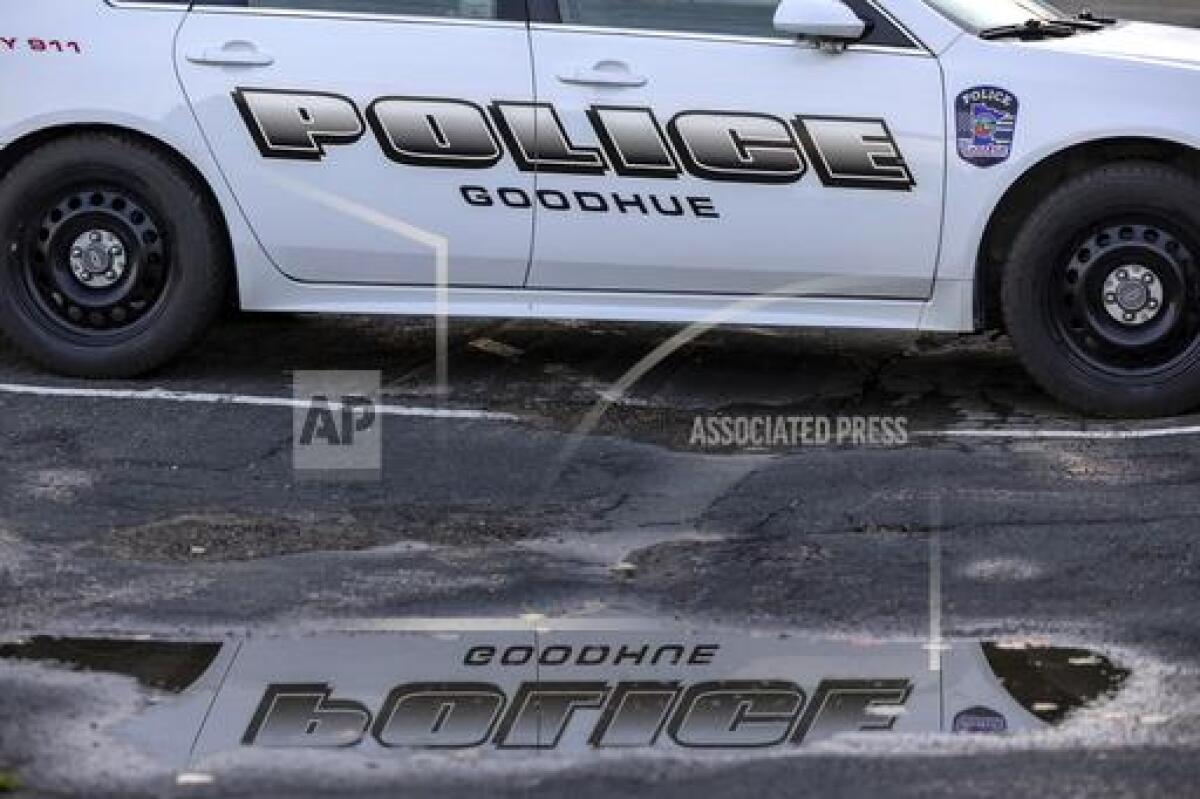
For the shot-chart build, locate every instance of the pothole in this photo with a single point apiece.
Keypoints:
(200, 538)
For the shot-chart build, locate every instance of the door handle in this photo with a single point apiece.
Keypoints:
(604, 73)
(232, 54)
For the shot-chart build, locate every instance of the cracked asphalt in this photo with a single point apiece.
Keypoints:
(164, 518)
(142, 516)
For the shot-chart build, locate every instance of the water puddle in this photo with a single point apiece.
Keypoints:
(499, 690)
(167, 666)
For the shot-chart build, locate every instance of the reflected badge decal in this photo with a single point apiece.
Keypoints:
(987, 125)
(980, 720)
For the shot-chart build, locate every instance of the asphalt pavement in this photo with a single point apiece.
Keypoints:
(152, 514)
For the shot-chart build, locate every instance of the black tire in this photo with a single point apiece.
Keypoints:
(153, 276)
(1101, 291)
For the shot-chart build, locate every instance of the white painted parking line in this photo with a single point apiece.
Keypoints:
(196, 397)
(1107, 434)
(206, 398)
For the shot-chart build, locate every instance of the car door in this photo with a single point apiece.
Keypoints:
(346, 129)
(712, 154)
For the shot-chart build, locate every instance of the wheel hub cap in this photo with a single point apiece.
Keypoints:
(1127, 300)
(1133, 295)
(98, 259)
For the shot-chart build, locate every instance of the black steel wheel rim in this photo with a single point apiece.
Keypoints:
(95, 263)
(1126, 297)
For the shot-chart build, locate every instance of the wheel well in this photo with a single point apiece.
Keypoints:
(11, 155)
(1022, 198)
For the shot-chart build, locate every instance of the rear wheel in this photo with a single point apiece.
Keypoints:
(1102, 291)
(114, 261)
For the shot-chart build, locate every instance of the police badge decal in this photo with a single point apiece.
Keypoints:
(987, 125)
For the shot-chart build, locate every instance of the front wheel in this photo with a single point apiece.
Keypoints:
(114, 259)
(1101, 291)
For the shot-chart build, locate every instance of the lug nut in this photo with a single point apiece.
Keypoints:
(95, 236)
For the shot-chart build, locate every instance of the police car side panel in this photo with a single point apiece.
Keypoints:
(122, 78)
(842, 197)
(343, 210)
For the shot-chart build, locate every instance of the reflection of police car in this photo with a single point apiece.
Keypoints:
(506, 692)
(909, 164)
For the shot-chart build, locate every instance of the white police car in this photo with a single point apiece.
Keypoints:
(940, 165)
